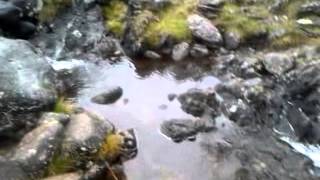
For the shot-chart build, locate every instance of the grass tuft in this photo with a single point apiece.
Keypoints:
(114, 13)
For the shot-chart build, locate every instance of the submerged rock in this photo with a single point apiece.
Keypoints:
(108, 97)
(36, 149)
(180, 51)
(27, 83)
(277, 63)
(202, 29)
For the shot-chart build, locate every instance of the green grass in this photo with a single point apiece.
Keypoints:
(114, 13)
(63, 106)
(51, 8)
(172, 22)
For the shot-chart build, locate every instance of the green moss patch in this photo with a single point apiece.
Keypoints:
(114, 13)
(172, 22)
(51, 8)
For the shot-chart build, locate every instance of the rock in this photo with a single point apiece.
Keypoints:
(11, 170)
(108, 97)
(182, 129)
(210, 8)
(171, 97)
(277, 63)
(199, 51)
(202, 29)
(152, 55)
(180, 51)
(68, 176)
(15, 20)
(27, 83)
(312, 7)
(36, 149)
(193, 102)
(84, 134)
(232, 40)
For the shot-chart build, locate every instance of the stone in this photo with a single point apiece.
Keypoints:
(202, 29)
(210, 8)
(180, 51)
(152, 55)
(67, 176)
(277, 63)
(199, 51)
(36, 149)
(193, 102)
(312, 7)
(11, 170)
(109, 97)
(232, 40)
(84, 134)
(27, 83)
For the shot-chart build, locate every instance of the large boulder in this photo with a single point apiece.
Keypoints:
(27, 83)
(85, 134)
(202, 29)
(37, 148)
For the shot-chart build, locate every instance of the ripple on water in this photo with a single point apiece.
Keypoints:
(140, 108)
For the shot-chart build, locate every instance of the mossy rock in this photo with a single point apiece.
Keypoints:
(51, 8)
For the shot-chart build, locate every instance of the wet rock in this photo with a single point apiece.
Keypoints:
(182, 129)
(277, 63)
(171, 97)
(68, 176)
(152, 55)
(36, 149)
(84, 134)
(312, 7)
(11, 170)
(202, 29)
(27, 83)
(180, 51)
(196, 102)
(232, 40)
(199, 51)
(108, 97)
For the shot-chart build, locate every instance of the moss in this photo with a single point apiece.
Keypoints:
(114, 13)
(63, 106)
(111, 147)
(60, 165)
(172, 22)
(51, 8)
(235, 19)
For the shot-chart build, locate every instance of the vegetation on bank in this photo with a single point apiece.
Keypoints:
(51, 8)
(281, 25)
(114, 13)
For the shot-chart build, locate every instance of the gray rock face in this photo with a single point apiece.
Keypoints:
(180, 51)
(109, 97)
(199, 51)
(85, 133)
(204, 30)
(27, 81)
(11, 170)
(36, 149)
(277, 63)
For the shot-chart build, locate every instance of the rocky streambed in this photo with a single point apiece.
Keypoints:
(159, 90)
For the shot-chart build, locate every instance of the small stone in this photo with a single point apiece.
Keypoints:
(232, 40)
(171, 97)
(199, 51)
(180, 51)
(152, 55)
(109, 97)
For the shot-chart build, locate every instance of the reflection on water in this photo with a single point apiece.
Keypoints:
(143, 106)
